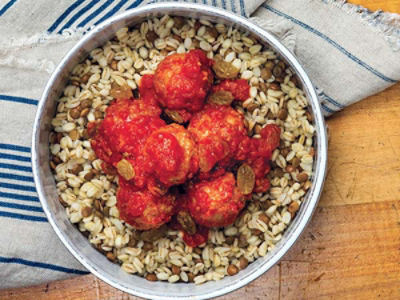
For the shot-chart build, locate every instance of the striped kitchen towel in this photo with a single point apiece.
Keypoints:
(348, 52)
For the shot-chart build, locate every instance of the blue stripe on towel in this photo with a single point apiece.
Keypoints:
(135, 4)
(112, 11)
(17, 187)
(242, 8)
(330, 41)
(21, 206)
(223, 4)
(233, 6)
(36, 264)
(19, 197)
(332, 101)
(19, 99)
(15, 167)
(15, 148)
(326, 108)
(64, 15)
(95, 13)
(7, 6)
(78, 14)
(11, 215)
(15, 157)
(16, 177)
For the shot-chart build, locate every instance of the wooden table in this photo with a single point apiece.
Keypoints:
(351, 249)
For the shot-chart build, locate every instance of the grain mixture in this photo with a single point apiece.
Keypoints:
(89, 195)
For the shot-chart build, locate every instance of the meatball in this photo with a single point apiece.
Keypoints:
(182, 81)
(123, 132)
(215, 202)
(126, 126)
(219, 130)
(142, 209)
(170, 152)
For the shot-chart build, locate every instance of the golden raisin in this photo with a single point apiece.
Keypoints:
(120, 92)
(221, 98)
(174, 116)
(246, 179)
(225, 70)
(125, 169)
(186, 221)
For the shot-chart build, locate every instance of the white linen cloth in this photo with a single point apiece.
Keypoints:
(348, 52)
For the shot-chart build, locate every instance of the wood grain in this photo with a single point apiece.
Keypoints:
(351, 249)
(386, 5)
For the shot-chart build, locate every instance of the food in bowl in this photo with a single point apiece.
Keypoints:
(229, 195)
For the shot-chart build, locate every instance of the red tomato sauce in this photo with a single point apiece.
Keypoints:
(201, 157)
(239, 88)
(166, 155)
(200, 237)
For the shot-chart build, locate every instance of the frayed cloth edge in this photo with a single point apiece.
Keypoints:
(385, 23)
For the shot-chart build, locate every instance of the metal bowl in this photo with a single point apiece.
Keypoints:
(79, 246)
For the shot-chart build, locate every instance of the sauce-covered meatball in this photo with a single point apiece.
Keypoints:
(219, 130)
(170, 151)
(142, 209)
(121, 136)
(216, 202)
(125, 128)
(182, 81)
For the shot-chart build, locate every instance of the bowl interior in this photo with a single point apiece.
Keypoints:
(79, 245)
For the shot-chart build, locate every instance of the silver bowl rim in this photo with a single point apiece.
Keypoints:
(319, 176)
